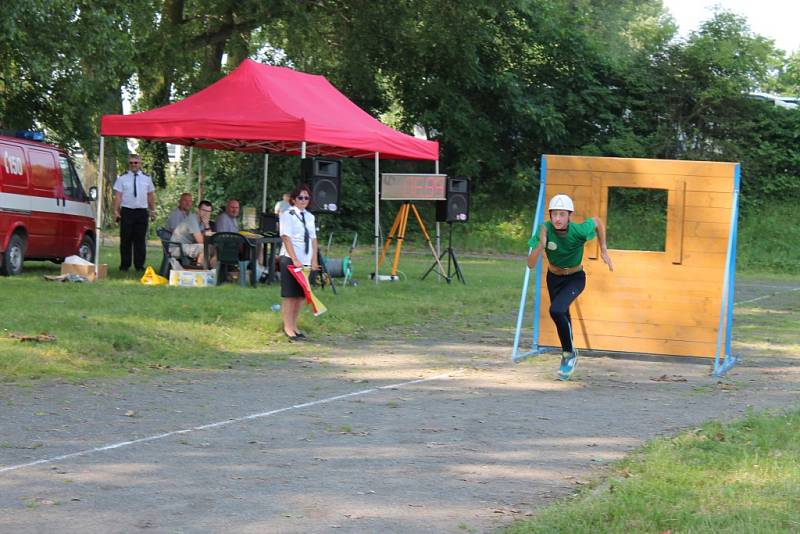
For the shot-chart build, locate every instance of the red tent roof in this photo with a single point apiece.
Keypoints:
(258, 108)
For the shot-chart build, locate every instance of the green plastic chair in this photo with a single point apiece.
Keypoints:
(229, 247)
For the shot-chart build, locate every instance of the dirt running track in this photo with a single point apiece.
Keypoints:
(329, 448)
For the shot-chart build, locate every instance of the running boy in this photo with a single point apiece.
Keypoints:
(565, 277)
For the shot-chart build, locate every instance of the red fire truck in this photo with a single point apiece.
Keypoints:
(44, 212)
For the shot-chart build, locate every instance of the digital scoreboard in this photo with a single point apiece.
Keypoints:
(397, 186)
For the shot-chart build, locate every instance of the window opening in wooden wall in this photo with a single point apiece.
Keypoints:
(637, 218)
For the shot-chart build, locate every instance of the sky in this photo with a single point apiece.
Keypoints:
(776, 19)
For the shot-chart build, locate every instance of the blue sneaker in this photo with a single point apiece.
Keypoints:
(569, 360)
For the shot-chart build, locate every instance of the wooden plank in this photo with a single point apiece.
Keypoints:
(694, 229)
(627, 265)
(633, 302)
(654, 315)
(596, 206)
(637, 346)
(700, 334)
(675, 221)
(642, 166)
(711, 215)
(692, 286)
(648, 298)
(631, 305)
(634, 263)
(708, 199)
(558, 179)
(702, 244)
(593, 316)
(706, 260)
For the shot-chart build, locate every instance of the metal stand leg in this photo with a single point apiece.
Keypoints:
(452, 262)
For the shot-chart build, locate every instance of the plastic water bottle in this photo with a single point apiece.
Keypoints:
(276, 307)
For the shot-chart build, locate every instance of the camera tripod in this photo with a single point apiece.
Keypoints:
(452, 262)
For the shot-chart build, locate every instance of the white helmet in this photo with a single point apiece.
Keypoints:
(561, 202)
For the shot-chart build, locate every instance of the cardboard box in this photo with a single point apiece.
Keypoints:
(85, 270)
(193, 278)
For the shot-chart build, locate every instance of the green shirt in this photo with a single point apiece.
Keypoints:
(565, 250)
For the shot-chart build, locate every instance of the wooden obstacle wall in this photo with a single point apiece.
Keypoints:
(654, 302)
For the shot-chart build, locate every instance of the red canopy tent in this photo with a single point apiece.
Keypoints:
(261, 108)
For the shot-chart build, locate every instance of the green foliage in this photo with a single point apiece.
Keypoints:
(637, 219)
(768, 239)
(497, 84)
(61, 66)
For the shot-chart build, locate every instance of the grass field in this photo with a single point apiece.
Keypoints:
(737, 477)
(121, 326)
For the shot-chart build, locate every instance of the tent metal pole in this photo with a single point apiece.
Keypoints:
(266, 175)
(200, 177)
(439, 228)
(189, 176)
(377, 212)
(99, 218)
(303, 150)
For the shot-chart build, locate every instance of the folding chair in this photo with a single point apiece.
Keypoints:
(165, 236)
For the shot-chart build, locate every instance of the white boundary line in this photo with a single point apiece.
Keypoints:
(225, 423)
(762, 297)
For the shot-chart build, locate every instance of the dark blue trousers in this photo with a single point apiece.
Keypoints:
(563, 290)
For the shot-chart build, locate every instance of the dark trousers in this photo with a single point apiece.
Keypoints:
(132, 237)
(563, 290)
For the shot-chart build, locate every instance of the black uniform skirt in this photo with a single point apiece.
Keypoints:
(289, 286)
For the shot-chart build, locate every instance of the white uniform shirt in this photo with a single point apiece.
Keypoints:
(124, 185)
(291, 224)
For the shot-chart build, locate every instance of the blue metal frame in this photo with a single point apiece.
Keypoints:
(726, 309)
(537, 220)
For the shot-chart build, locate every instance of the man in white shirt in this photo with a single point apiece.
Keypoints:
(177, 215)
(228, 220)
(134, 199)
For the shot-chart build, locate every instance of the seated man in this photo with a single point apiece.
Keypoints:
(228, 221)
(177, 215)
(191, 233)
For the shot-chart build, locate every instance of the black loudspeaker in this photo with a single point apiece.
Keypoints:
(456, 206)
(324, 177)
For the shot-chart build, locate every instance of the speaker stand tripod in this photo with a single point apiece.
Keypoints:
(398, 232)
(452, 262)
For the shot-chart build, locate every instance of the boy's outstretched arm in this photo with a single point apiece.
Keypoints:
(600, 229)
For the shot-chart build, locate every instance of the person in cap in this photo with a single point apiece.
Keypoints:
(563, 242)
